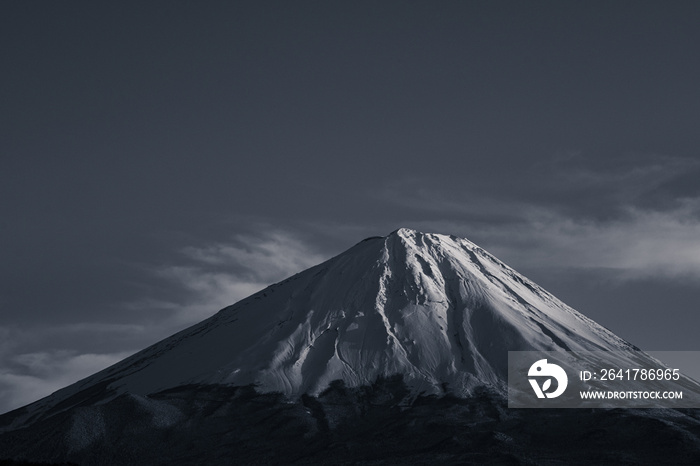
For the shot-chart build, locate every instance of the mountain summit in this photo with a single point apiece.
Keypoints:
(437, 310)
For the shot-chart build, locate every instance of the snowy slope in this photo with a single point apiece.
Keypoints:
(437, 309)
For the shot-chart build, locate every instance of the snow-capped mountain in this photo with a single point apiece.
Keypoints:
(332, 366)
(437, 309)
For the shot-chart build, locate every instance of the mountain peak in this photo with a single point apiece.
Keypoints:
(405, 232)
(415, 236)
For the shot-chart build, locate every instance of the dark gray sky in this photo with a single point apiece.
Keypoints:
(160, 160)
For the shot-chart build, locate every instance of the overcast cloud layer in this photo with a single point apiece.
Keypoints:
(160, 161)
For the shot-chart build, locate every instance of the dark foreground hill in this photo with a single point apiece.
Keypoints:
(381, 424)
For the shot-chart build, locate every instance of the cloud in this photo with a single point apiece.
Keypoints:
(30, 376)
(36, 361)
(628, 217)
(265, 258)
(639, 244)
(636, 172)
(621, 182)
(216, 275)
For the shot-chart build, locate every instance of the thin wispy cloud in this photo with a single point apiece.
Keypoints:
(639, 244)
(216, 275)
(608, 218)
(28, 377)
(262, 258)
(35, 362)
